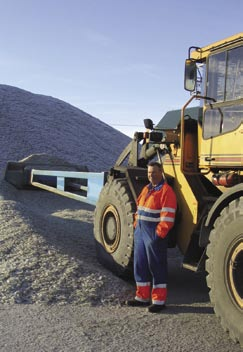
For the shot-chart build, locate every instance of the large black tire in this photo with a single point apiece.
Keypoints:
(225, 269)
(113, 227)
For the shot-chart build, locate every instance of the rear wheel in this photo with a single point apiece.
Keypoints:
(225, 268)
(113, 227)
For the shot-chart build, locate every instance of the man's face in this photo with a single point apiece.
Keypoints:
(154, 174)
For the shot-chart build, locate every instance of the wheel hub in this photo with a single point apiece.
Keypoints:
(235, 272)
(111, 229)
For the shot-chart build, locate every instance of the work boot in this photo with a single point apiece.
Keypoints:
(156, 308)
(136, 303)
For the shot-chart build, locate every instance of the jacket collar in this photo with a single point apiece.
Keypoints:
(155, 188)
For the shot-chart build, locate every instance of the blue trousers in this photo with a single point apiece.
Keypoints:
(150, 256)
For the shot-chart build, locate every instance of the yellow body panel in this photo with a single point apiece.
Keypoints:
(187, 203)
(225, 150)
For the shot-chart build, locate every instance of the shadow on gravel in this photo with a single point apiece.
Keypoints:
(180, 309)
(186, 287)
(50, 216)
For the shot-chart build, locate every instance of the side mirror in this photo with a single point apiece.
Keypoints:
(190, 77)
(148, 123)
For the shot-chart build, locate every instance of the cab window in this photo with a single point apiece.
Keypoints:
(219, 120)
(225, 75)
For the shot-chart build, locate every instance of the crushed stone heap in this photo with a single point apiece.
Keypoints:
(33, 124)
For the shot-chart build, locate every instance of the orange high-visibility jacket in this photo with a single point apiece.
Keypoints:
(156, 208)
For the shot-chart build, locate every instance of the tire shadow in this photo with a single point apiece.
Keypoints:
(187, 290)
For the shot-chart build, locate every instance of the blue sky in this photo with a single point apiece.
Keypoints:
(119, 60)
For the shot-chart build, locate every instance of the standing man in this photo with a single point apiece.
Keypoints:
(156, 208)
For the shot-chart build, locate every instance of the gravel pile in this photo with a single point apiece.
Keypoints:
(47, 252)
(33, 124)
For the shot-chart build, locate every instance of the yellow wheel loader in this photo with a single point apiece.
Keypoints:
(201, 152)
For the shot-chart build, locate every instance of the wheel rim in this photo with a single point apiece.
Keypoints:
(235, 271)
(111, 229)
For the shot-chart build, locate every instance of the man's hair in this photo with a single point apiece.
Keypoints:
(154, 163)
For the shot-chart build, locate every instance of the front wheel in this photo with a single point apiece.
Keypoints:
(225, 269)
(113, 227)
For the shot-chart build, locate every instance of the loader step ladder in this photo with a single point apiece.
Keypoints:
(81, 186)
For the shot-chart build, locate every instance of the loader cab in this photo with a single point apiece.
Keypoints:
(220, 91)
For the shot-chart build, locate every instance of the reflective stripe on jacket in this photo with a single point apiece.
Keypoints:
(156, 208)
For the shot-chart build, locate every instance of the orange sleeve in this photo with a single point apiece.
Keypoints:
(168, 211)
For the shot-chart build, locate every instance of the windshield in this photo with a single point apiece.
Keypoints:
(225, 75)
